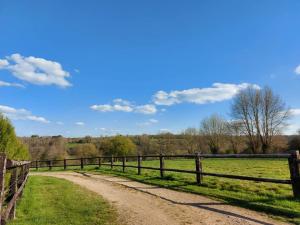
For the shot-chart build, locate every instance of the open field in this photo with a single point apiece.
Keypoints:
(52, 201)
(274, 199)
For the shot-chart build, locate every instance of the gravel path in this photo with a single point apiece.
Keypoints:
(142, 204)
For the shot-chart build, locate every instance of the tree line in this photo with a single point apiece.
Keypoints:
(256, 121)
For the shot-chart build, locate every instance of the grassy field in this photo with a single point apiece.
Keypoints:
(274, 199)
(52, 201)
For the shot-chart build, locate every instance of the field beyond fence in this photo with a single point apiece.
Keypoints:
(140, 163)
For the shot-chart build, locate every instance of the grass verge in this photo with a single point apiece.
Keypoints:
(53, 201)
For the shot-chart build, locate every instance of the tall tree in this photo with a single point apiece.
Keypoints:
(214, 129)
(263, 114)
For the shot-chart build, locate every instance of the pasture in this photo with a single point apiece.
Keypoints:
(274, 199)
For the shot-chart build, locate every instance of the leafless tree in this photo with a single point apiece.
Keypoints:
(235, 135)
(263, 114)
(191, 139)
(214, 129)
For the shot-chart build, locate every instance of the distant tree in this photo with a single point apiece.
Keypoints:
(214, 129)
(235, 135)
(85, 150)
(191, 139)
(120, 146)
(263, 114)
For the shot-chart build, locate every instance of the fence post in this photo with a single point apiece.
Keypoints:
(198, 168)
(65, 164)
(99, 161)
(294, 165)
(161, 165)
(50, 164)
(112, 162)
(2, 181)
(123, 163)
(12, 190)
(36, 165)
(139, 158)
(81, 163)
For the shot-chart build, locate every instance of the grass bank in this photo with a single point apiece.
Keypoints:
(53, 201)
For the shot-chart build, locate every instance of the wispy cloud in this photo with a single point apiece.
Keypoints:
(36, 70)
(122, 105)
(217, 93)
(297, 70)
(148, 122)
(80, 123)
(295, 112)
(21, 114)
(7, 84)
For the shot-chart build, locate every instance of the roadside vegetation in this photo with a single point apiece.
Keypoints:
(12, 146)
(53, 201)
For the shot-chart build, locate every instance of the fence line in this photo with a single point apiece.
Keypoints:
(11, 192)
(293, 161)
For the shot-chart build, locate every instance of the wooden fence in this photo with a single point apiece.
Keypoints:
(16, 173)
(293, 161)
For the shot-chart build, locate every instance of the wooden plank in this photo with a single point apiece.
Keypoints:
(161, 165)
(198, 168)
(295, 173)
(10, 205)
(2, 180)
(139, 159)
(12, 191)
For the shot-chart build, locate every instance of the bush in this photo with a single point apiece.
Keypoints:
(120, 146)
(85, 150)
(9, 143)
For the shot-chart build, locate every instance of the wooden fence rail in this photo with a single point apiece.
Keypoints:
(16, 172)
(293, 160)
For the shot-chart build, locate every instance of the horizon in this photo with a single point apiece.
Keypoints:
(101, 69)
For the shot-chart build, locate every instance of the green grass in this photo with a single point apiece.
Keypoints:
(53, 201)
(273, 199)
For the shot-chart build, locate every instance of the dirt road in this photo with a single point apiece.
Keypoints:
(141, 204)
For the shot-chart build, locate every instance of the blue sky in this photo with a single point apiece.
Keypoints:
(102, 67)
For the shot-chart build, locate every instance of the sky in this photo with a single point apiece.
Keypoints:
(77, 68)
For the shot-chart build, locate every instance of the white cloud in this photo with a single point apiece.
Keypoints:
(295, 112)
(218, 92)
(297, 70)
(21, 114)
(7, 84)
(3, 63)
(146, 109)
(148, 122)
(122, 105)
(80, 123)
(36, 70)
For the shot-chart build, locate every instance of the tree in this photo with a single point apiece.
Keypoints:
(9, 143)
(190, 136)
(120, 146)
(85, 150)
(214, 130)
(263, 114)
(234, 133)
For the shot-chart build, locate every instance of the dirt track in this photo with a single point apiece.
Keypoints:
(141, 204)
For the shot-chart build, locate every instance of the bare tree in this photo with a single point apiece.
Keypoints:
(235, 135)
(191, 139)
(214, 129)
(263, 114)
